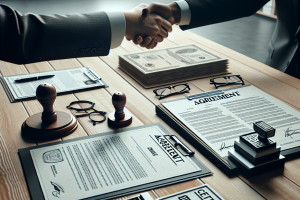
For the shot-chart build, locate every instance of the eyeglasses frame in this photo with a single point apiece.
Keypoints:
(170, 87)
(103, 113)
(216, 84)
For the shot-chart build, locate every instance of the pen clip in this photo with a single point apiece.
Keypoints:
(176, 142)
(206, 94)
(89, 73)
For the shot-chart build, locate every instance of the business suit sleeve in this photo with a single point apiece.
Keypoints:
(32, 38)
(205, 12)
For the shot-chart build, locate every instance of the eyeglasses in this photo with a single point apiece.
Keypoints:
(227, 80)
(95, 116)
(167, 91)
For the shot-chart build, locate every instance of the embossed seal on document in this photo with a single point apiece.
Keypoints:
(53, 156)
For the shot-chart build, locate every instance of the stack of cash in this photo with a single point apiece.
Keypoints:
(171, 65)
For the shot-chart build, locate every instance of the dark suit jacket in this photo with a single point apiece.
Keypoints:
(284, 44)
(32, 38)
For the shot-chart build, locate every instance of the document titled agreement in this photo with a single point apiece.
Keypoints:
(220, 119)
(108, 163)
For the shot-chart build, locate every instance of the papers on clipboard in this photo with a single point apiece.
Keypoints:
(216, 120)
(112, 164)
(65, 81)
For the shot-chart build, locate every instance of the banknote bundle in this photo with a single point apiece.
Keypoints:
(171, 65)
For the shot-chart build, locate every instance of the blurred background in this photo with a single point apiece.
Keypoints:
(249, 36)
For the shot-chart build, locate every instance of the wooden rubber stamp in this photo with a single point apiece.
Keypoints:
(48, 125)
(121, 117)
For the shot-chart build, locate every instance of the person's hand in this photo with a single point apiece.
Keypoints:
(171, 12)
(154, 27)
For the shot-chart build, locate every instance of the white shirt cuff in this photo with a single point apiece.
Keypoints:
(118, 28)
(185, 18)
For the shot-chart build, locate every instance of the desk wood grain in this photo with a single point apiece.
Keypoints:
(277, 184)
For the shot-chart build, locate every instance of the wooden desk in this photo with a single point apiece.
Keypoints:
(277, 184)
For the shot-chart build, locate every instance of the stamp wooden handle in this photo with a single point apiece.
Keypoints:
(119, 101)
(46, 95)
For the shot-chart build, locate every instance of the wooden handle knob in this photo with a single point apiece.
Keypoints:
(46, 95)
(119, 101)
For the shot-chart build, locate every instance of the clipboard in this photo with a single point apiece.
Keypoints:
(248, 93)
(15, 91)
(36, 191)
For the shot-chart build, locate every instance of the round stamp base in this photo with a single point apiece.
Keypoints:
(33, 127)
(114, 123)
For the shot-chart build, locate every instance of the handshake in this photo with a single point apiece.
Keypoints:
(148, 25)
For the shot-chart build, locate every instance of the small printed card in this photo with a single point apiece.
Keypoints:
(197, 193)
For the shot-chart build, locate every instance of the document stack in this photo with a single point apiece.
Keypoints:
(171, 65)
(255, 152)
(109, 165)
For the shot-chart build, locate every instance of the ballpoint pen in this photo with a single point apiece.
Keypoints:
(183, 146)
(22, 80)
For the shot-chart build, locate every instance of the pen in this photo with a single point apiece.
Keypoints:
(22, 80)
(183, 146)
